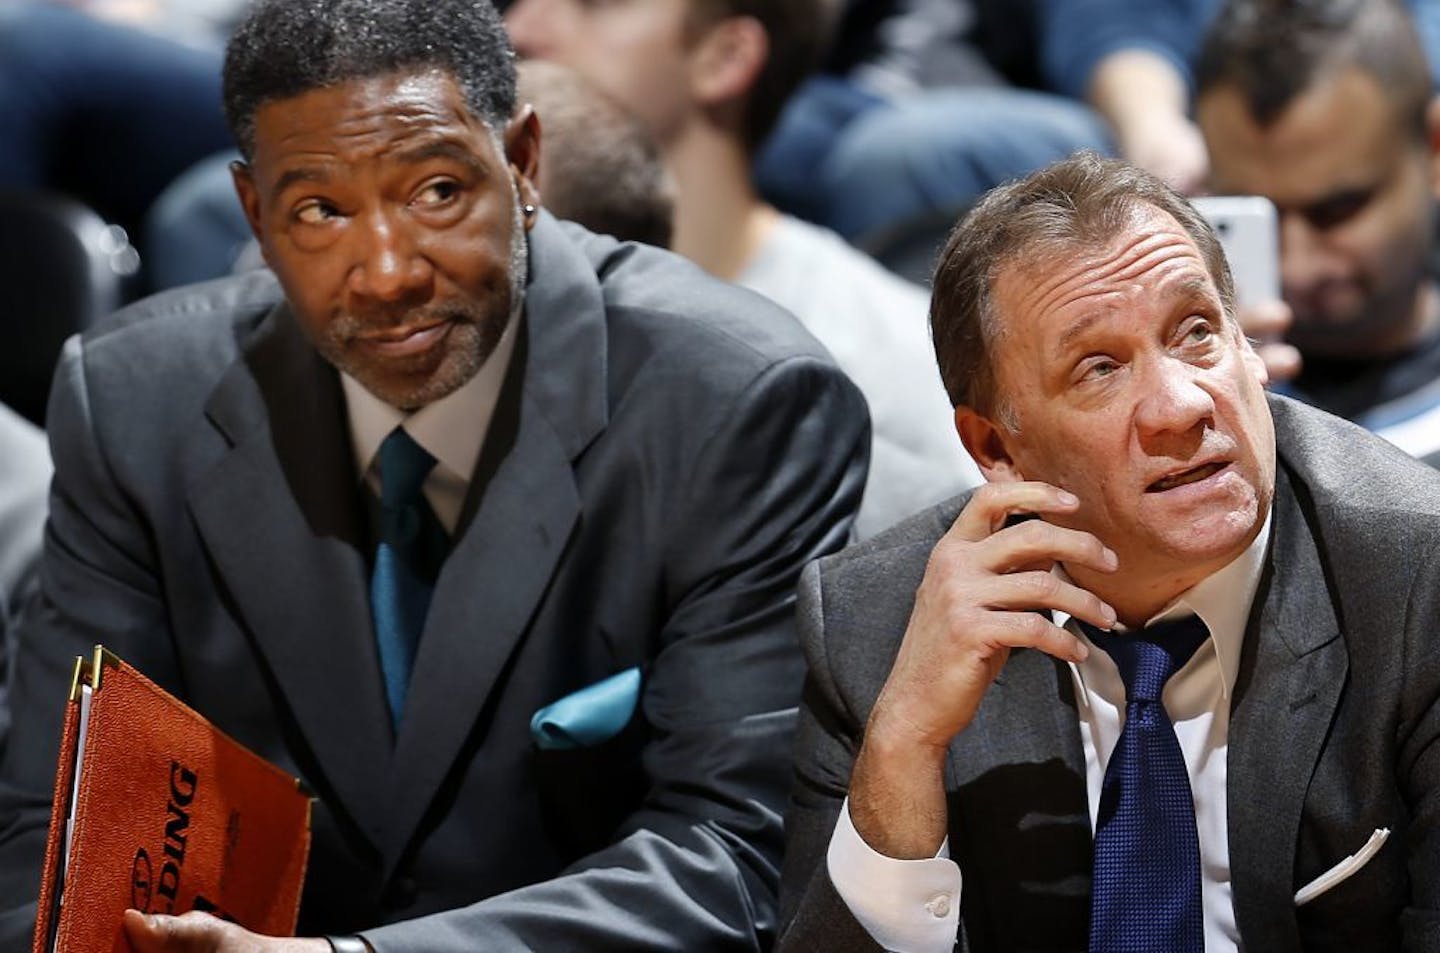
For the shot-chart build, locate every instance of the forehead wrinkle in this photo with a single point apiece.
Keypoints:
(1110, 275)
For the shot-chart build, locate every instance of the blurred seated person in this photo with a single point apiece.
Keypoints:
(24, 488)
(600, 167)
(709, 80)
(1325, 108)
(946, 99)
(921, 106)
(109, 101)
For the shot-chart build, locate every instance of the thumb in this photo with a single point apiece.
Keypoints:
(158, 933)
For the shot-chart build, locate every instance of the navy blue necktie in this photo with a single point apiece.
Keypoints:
(1145, 893)
(407, 562)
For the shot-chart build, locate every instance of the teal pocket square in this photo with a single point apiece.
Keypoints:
(594, 714)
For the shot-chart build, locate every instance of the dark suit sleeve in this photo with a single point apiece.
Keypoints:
(696, 867)
(1419, 758)
(96, 585)
(812, 915)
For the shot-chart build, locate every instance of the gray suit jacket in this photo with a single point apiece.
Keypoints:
(1334, 732)
(667, 453)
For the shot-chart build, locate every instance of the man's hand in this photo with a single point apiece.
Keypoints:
(987, 589)
(201, 933)
(1265, 324)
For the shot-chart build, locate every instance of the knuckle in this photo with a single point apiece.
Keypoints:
(1031, 625)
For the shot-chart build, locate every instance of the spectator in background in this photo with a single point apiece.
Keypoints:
(922, 105)
(24, 489)
(1324, 107)
(928, 103)
(24, 485)
(108, 101)
(599, 167)
(709, 79)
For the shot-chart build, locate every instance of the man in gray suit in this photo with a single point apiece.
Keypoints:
(968, 718)
(624, 464)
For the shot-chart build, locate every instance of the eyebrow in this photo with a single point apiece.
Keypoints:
(303, 174)
(441, 149)
(1185, 291)
(444, 149)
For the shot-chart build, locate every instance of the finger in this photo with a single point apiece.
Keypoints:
(158, 933)
(1266, 319)
(1282, 361)
(992, 503)
(1036, 542)
(1044, 590)
(1034, 630)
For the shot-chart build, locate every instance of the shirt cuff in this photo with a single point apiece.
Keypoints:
(909, 906)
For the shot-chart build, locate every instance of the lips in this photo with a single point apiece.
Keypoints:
(1185, 477)
(411, 339)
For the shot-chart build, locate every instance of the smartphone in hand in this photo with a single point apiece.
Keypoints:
(1248, 231)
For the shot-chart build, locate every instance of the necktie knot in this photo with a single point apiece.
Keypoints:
(1149, 657)
(404, 465)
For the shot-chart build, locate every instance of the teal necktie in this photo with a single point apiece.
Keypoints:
(407, 562)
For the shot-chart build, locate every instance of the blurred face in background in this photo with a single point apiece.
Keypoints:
(1355, 185)
(636, 51)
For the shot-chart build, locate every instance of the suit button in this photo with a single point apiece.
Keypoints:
(401, 894)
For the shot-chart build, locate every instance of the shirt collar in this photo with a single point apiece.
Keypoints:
(451, 429)
(1222, 600)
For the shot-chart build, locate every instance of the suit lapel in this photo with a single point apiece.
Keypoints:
(1020, 819)
(522, 507)
(1292, 670)
(280, 517)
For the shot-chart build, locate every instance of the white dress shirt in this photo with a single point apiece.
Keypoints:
(452, 429)
(913, 906)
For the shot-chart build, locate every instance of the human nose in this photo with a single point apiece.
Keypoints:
(1174, 400)
(390, 266)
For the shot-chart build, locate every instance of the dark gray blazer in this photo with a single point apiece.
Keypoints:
(667, 454)
(1334, 732)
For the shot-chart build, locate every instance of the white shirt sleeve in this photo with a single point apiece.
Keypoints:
(909, 906)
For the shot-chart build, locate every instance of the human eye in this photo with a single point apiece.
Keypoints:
(1197, 335)
(436, 193)
(315, 212)
(1199, 332)
(1096, 369)
(1338, 209)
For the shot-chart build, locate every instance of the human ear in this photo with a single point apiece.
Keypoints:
(727, 60)
(988, 443)
(244, 179)
(522, 153)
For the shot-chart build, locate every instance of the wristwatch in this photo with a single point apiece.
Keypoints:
(348, 944)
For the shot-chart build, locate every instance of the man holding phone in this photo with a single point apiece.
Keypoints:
(1324, 108)
(1182, 614)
